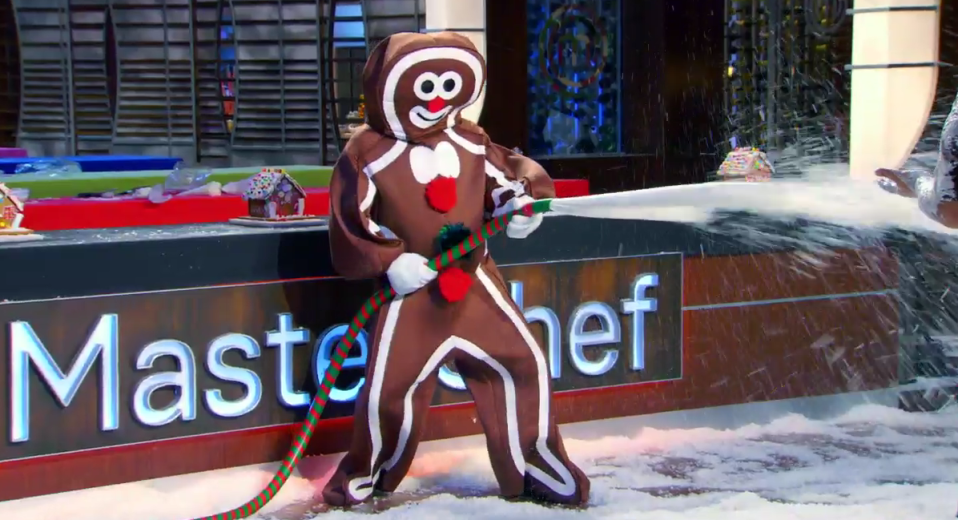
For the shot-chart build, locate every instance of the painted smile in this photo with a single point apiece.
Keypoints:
(437, 118)
(423, 118)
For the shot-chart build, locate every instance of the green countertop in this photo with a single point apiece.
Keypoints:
(45, 187)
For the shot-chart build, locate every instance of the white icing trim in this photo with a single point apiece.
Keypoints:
(474, 149)
(382, 231)
(505, 185)
(451, 122)
(369, 198)
(497, 174)
(367, 203)
(375, 432)
(513, 204)
(509, 388)
(416, 57)
(362, 487)
(387, 158)
(568, 485)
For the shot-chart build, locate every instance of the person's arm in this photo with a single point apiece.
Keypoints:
(937, 195)
(359, 247)
(936, 192)
(900, 182)
(513, 180)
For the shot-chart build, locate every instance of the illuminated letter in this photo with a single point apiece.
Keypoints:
(215, 402)
(185, 379)
(323, 352)
(450, 378)
(637, 307)
(544, 315)
(610, 333)
(550, 322)
(286, 337)
(25, 347)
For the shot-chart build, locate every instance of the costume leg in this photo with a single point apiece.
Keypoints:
(416, 405)
(391, 406)
(507, 374)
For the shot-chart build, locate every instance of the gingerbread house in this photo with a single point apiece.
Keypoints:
(273, 194)
(749, 164)
(11, 209)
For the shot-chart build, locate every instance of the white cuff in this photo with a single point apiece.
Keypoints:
(515, 203)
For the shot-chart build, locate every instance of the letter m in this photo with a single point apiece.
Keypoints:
(26, 349)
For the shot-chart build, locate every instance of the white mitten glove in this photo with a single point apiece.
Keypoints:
(409, 272)
(522, 226)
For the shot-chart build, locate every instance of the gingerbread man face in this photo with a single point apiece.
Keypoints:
(438, 90)
(423, 82)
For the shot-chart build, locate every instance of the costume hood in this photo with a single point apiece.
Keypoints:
(390, 75)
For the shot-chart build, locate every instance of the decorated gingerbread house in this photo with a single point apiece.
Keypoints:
(750, 164)
(11, 210)
(274, 194)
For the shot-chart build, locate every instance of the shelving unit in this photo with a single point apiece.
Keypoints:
(149, 77)
(384, 17)
(9, 76)
(356, 28)
(155, 93)
(46, 77)
(209, 18)
(747, 86)
(277, 81)
(783, 89)
(92, 110)
(331, 143)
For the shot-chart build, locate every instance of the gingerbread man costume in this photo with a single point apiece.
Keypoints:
(415, 181)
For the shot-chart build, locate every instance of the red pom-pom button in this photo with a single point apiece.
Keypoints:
(454, 283)
(441, 194)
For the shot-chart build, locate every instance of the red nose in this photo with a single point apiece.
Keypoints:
(436, 105)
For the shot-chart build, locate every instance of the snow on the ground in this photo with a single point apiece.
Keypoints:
(872, 463)
(949, 345)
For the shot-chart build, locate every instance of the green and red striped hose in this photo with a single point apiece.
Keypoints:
(305, 432)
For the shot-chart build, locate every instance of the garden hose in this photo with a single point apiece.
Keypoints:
(305, 431)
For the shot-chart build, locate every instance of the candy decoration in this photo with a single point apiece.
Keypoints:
(750, 163)
(441, 194)
(263, 184)
(454, 284)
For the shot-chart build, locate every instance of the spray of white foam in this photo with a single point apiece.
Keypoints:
(824, 193)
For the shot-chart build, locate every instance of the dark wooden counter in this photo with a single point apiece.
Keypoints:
(734, 322)
(108, 261)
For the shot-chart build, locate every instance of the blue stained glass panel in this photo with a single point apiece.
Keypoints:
(574, 77)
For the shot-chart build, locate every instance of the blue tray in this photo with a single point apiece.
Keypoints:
(101, 163)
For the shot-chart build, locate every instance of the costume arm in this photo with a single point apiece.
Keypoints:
(513, 180)
(360, 248)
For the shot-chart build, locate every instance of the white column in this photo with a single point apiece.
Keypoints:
(890, 103)
(467, 17)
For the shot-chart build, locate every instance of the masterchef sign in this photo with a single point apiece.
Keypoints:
(111, 370)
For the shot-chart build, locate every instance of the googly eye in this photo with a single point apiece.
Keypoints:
(427, 86)
(450, 85)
